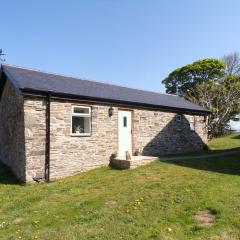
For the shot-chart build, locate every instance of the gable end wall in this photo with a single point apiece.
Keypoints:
(12, 149)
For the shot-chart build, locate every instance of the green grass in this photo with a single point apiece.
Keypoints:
(144, 203)
(225, 143)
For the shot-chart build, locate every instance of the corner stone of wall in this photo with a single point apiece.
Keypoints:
(35, 137)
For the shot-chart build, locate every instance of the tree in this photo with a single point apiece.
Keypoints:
(213, 84)
(183, 79)
(232, 62)
(1, 55)
(222, 98)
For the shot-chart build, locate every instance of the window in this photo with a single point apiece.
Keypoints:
(179, 122)
(179, 118)
(81, 121)
(192, 124)
(124, 121)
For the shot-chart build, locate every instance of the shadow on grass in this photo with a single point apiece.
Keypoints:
(224, 164)
(236, 136)
(6, 176)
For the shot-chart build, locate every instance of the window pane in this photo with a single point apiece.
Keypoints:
(179, 118)
(81, 124)
(124, 121)
(192, 126)
(81, 110)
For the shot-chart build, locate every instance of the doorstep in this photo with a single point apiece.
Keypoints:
(136, 161)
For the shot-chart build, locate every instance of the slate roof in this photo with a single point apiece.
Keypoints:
(28, 80)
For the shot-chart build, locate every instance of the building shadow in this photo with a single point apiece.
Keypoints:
(6, 176)
(175, 137)
(12, 134)
(236, 136)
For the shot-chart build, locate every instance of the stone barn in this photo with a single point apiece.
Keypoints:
(54, 126)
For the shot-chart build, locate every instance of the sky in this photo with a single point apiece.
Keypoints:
(134, 43)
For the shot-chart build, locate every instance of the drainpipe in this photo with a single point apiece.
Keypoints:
(47, 147)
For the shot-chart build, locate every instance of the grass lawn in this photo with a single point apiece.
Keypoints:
(225, 143)
(157, 201)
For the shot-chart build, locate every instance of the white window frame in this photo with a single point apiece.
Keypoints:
(192, 124)
(81, 115)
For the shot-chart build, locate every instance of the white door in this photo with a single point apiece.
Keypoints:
(124, 132)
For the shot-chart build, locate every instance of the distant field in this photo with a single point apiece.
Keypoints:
(225, 143)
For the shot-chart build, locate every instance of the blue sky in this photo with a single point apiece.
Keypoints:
(129, 42)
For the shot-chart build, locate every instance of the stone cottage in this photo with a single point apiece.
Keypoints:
(54, 126)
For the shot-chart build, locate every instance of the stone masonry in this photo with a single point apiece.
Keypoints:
(23, 135)
(12, 149)
(71, 154)
(68, 154)
(156, 132)
(35, 136)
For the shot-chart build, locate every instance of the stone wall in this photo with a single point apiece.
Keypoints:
(35, 136)
(23, 135)
(68, 154)
(157, 133)
(71, 154)
(12, 150)
(154, 132)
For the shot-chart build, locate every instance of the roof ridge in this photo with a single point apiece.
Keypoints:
(85, 79)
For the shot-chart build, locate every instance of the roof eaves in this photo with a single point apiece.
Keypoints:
(150, 106)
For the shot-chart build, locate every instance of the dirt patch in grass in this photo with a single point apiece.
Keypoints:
(206, 218)
(18, 221)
